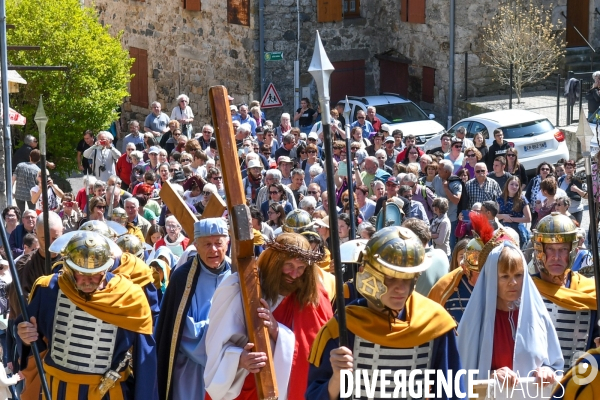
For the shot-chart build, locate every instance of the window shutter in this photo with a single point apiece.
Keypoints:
(416, 11)
(192, 5)
(427, 86)
(404, 10)
(329, 10)
(238, 12)
(139, 83)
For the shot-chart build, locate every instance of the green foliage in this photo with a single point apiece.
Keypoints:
(85, 96)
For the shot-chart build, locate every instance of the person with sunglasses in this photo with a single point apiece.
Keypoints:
(362, 123)
(277, 195)
(481, 188)
(97, 209)
(515, 168)
(456, 156)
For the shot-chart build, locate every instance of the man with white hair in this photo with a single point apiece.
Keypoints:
(449, 187)
(183, 113)
(242, 132)
(308, 204)
(174, 239)
(190, 290)
(132, 206)
(274, 176)
(157, 122)
(104, 156)
(482, 188)
(204, 137)
(381, 159)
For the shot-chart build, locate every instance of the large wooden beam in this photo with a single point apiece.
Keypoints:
(214, 209)
(242, 238)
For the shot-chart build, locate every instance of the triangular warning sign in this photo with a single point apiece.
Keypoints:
(271, 98)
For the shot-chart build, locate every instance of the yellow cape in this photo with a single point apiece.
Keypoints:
(328, 282)
(325, 263)
(580, 296)
(425, 321)
(443, 289)
(258, 238)
(572, 390)
(136, 269)
(120, 303)
(135, 231)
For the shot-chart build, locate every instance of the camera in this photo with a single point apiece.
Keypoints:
(102, 168)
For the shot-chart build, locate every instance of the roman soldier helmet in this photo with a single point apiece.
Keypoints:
(119, 215)
(297, 221)
(131, 244)
(484, 240)
(98, 227)
(88, 253)
(395, 252)
(554, 228)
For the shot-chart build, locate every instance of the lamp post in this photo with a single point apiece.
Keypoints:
(584, 135)
(41, 120)
(321, 69)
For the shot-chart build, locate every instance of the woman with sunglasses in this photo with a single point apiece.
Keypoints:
(532, 192)
(514, 210)
(97, 207)
(168, 141)
(411, 155)
(275, 215)
(472, 157)
(514, 167)
(456, 155)
(562, 206)
(312, 153)
(276, 195)
(358, 216)
(575, 190)
(205, 194)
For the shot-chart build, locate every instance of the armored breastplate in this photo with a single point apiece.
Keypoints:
(80, 341)
(572, 328)
(371, 356)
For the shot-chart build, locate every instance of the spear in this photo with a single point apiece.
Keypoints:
(321, 70)
(350, 171)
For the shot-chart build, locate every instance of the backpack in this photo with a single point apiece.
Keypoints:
(463, 203)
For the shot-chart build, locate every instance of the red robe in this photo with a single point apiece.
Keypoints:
(305, 323)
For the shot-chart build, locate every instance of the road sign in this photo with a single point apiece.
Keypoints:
(271, 99)
(273, 55)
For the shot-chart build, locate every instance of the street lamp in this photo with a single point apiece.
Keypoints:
(584, 135)
(41, 120)
(321, 69)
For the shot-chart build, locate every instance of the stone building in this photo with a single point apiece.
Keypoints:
(399, 46)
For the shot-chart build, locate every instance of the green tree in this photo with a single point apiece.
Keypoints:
(522, 34)
(85, 96)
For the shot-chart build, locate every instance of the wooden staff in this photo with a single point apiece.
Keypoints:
(242, 238)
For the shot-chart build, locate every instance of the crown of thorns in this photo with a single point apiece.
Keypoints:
(295, 251)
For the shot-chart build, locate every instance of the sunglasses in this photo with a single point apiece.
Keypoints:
(311, 152)
(206, 193)
(456, 146)
(480, 171)
(544, 169)
(219, 178)
(511, 155)
(101, 207)
(177, 134)
(206, 132)
(470, 155)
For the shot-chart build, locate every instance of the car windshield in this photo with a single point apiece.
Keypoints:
(527, 129)
(400, 112)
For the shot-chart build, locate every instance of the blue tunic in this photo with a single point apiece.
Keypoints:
(444, 357)
(43, 306)
(458, 300)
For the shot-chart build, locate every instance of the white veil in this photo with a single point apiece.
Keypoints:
(536, 342)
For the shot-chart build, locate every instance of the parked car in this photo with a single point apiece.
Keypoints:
(532, 134)
(398, 113)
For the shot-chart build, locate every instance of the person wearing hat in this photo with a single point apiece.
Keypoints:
(252, 183)
(153, 159)
(569, 296)
(116, 317)
(294, 307)
(180, 341)
(456, 156)
(390, 152)
(392, 327)
(193, 187)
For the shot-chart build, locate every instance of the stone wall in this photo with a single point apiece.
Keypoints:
(187, 51)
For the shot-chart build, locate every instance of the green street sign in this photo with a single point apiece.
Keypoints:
(273, 55)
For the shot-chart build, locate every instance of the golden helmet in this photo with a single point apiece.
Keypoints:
(297, 221)
(88, 253)
(119, 215)
(472, 251)
(131, 244)
(394, 252)
(552, 229)
(98, 227)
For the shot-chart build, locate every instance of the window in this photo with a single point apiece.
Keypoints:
(329, 10)
(351, 8)
(139, 83)
(413, 11)
(427, 85)
(191, 5)
(238, 12)
(477, 127)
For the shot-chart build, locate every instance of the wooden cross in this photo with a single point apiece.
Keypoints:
(242, 238)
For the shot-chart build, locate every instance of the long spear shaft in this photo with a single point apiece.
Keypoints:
(321, 69)
(23, 304)
(593, 230)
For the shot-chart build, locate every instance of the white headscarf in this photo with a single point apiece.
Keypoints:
(536, 342)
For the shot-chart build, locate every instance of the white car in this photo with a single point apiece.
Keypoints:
(398, 113)
(532, 134)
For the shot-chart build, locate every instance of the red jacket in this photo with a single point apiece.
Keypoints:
(403, 154)
(124, 169)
